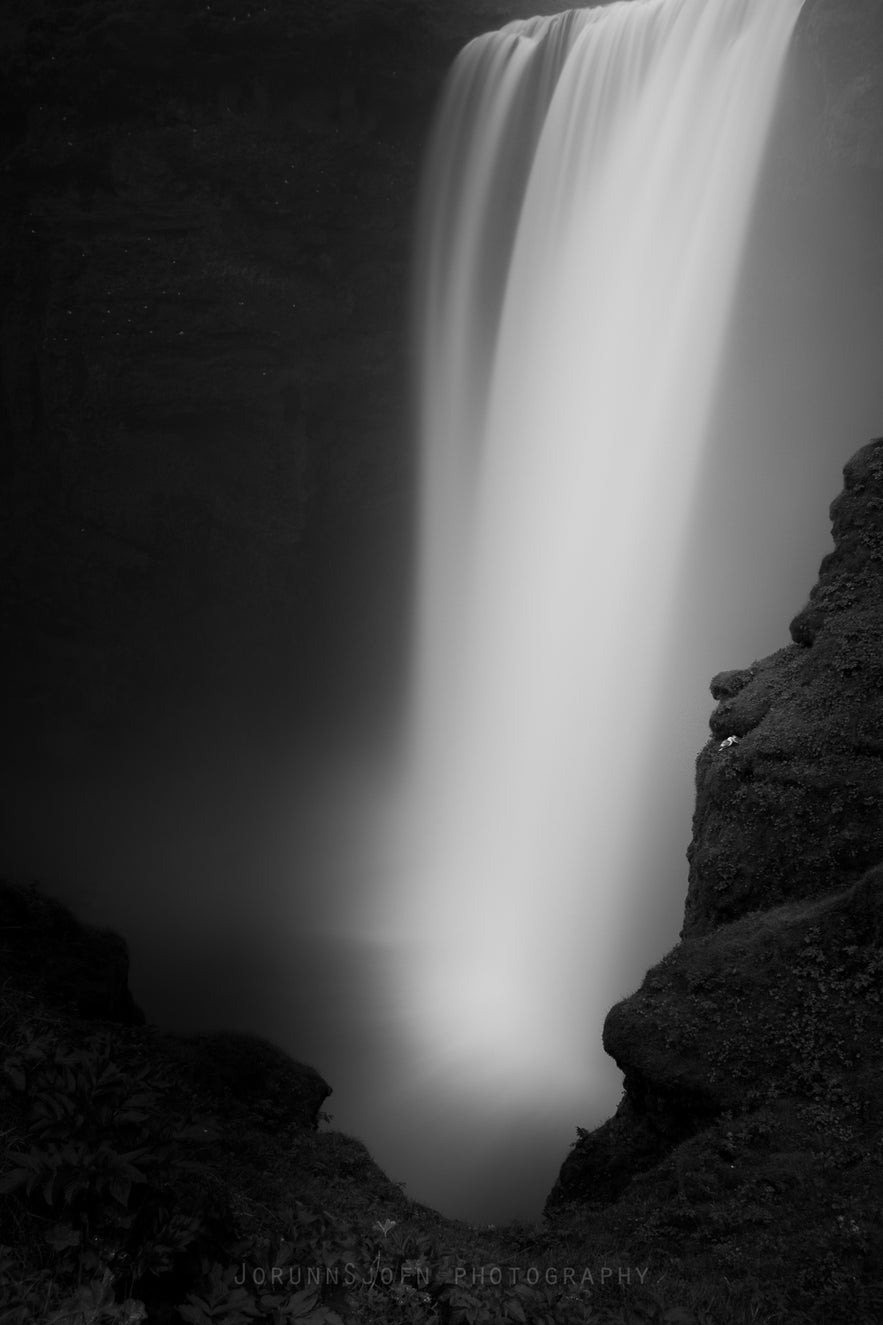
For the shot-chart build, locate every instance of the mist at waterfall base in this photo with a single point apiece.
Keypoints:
(369, 908)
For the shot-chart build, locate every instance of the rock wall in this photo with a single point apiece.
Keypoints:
(205, 241)
(788, 788)
(751, 1052)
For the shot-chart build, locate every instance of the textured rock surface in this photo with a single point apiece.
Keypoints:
(752, 1053)
(792, 808)
(848, 41)
(188, 191)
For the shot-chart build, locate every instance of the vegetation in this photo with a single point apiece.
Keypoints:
(123, 1199)
(133, 1190)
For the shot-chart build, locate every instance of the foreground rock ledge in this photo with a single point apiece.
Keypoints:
(752, 1053)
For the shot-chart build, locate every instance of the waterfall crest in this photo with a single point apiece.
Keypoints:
(585, 208)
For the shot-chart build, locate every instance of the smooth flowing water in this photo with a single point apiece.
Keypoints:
(584, 215)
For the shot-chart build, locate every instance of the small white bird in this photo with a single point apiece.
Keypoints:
(731, 740)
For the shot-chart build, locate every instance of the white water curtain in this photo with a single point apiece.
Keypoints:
(586, 203)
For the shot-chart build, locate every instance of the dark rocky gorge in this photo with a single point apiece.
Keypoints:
(743, 1166)
(204, 253)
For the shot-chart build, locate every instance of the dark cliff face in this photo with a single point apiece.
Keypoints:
(788, 788)
(751, 1054)
(207, 217)
(205, 245)
(74, 970)
(847, 43)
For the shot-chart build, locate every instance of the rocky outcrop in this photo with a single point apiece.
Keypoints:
(751, 1053)
(54, 964)
(60, 963)
(250, 1072)
(788, 788)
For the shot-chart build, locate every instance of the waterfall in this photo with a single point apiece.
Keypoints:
(586, 202)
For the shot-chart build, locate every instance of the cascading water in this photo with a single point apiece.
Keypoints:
(586, 204)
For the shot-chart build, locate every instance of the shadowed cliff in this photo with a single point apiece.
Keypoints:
(750, 1123)
(205, 243)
